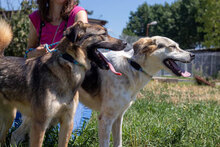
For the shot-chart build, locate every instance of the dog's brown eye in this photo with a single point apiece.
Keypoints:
(105, 33)
(172, 46)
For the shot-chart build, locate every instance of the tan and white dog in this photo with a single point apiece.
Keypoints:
(112, 95)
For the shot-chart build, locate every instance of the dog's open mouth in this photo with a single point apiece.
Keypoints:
(104, 63)
(96, 56)
(171, 64)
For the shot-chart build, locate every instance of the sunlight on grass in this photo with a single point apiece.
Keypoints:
(165, 114)
(180, 92)
(169, 114)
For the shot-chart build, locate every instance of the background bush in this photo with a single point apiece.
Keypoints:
(20, 25)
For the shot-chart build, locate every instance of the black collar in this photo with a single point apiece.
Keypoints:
(137, 66)
(71, 59)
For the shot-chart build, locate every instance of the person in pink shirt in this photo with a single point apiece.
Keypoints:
(48, 23)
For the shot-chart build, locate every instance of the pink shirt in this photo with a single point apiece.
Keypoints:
(49, 30)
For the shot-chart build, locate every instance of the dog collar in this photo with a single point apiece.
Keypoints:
(137, 66)
(71, 59)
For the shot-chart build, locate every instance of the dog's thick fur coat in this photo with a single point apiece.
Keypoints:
(45, 88)
(112, 95)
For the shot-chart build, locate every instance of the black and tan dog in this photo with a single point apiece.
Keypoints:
(112, 95)
(45, 88)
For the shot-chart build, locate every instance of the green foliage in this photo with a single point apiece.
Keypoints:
(20, 25)
(187, 34)
(209, 15)
(138, 21)
(164, 124)
(176, 21)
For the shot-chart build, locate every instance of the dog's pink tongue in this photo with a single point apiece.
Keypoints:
(181, 71)
(111, 67)
(185, 74)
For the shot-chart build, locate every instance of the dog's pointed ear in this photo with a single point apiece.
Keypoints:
(75, 31)
(150, 46)
(144, 46)
(139, 45)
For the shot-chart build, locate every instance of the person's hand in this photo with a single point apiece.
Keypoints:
(39, 51)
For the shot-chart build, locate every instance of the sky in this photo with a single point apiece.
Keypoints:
(116, 12)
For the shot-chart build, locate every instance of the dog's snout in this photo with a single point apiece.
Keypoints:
(121, 45)
(192, 56)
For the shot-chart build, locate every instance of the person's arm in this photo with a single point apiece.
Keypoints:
(33, 43)
(81, 16)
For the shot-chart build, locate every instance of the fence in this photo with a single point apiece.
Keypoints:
(207, 62)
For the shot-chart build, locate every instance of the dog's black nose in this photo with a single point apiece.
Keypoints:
(192, 56)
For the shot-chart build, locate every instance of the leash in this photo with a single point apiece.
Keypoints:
(137, 67)
(46, 46)
(65, 56)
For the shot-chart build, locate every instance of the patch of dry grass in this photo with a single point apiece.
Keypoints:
(181, 92)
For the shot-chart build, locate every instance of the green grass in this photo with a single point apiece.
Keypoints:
(157, 120)
(149, 123)
(164, 115)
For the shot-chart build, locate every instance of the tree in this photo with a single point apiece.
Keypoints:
(209, 15)
(176, 21)
(138, 21)
(20, 26)
(186, 26)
